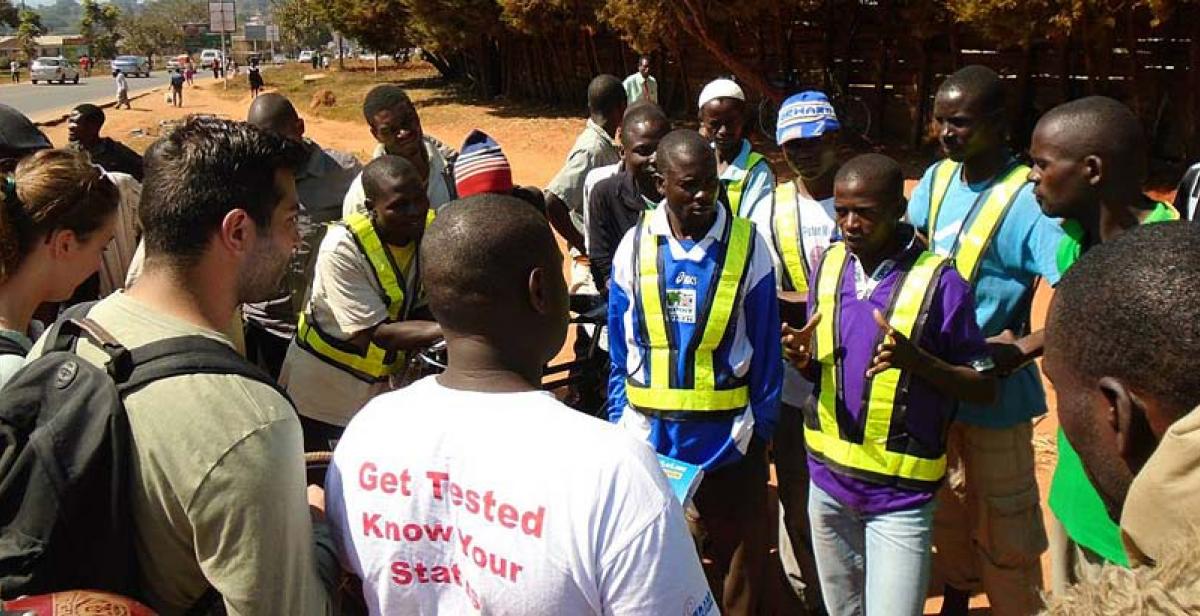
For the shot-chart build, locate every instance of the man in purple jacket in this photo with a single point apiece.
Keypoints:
(891, 341)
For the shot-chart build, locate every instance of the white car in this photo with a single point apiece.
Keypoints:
(208, 55)
(55, 68)
(305, 56)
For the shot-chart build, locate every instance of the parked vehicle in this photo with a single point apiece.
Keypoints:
(305, 56)
(208, 55)
(55, 68)
(279, 59)
(132, 66)
(179, 61)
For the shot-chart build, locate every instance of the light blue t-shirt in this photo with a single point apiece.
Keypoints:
(1023, 249)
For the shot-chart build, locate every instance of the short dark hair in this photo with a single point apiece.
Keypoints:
(680, 141)
(980, 84)
(90, 111)
(1105, 127)
(201, 171)
(1127, 309)
(876, 170)
(605, 94)
(641, 113)
(383, 168)
(273, 112)
(476, 258)
(383, 98)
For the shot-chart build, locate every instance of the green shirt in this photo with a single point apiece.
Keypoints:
(1072, 498)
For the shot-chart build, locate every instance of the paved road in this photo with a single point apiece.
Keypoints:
(44, 101)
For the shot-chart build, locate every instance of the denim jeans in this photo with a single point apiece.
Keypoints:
(871, 565)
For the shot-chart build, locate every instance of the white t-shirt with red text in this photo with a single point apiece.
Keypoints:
(457, 502)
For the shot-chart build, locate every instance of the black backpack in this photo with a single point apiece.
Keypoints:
(65, 457)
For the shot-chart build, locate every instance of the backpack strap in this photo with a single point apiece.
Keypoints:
(186, 355)
(59, 340)
(8, 346)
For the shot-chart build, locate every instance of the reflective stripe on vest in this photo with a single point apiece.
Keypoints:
(735, 188)
(695, 393)
(786, 235)
(878, 449)
(375, 363)
(981, 223)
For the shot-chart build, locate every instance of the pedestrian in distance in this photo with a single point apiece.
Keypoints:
(122, 89)
(177, 80)
(14, 70)
(641, 87)
(254, 76)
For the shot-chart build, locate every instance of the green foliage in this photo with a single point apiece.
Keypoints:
(29, 27)
(646, 25)
(61, 16)
(99, 27)
(376, 24)
(450, 25)
(158, 28)
(8, 14)
(300, 23)
(548, 16)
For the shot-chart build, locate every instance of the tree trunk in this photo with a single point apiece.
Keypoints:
(685, 87)
(442, 64)
(924, 82)
(880, 102)
(1193, 92)
(1023, 113)
(690, 18)
(1065, 79)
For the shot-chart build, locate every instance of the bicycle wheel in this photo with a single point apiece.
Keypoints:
(768, 115)
(854, 114)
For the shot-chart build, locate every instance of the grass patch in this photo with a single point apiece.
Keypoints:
(349, 86)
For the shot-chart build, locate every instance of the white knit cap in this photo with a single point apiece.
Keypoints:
(721, 88)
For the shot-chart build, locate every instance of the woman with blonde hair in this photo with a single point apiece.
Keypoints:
(57, 213)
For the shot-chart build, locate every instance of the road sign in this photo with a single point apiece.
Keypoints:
(273, 34)
(255, 32)
(221, 17)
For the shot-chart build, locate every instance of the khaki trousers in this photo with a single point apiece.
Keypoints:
(988, 530)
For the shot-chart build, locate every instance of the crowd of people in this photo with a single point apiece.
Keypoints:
(876, 348)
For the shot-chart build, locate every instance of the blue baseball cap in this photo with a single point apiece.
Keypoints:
(805, 115)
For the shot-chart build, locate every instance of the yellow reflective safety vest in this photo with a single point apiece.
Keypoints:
(735, 188)
(682, 380)
(878, 448)
(375, 363)
(786, 235)
(982, 220)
